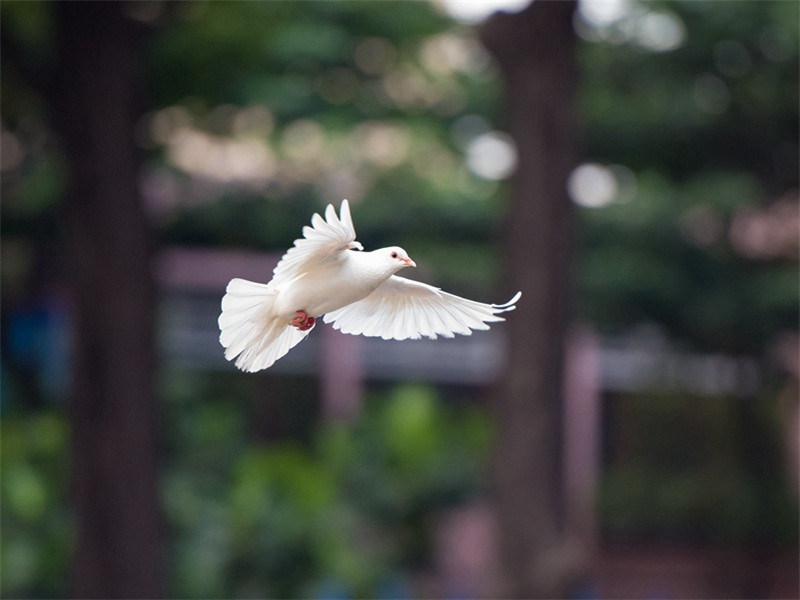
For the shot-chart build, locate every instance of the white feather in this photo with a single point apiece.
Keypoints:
(356, 291)
(403, 309)
(250, 329)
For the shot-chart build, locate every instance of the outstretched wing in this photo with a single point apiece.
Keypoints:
(324, 241)
(404, 309)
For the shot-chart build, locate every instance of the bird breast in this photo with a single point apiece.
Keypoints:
(324, 290)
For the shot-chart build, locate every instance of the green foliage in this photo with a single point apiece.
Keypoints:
(287, 520)
(363, 100)
(34, 556)
(630, 95)
(697, 470)
(702, 293)
(223, 52)
(708, 129)
(706, 132)
(248, 518)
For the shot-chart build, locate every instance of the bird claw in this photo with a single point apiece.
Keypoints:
(302, 321)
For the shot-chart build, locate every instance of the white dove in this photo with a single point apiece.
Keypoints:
(325, 273)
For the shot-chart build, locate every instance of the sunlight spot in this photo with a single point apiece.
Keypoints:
(592, 186)
(167, 121)
(382, 143)
(601, 13)
(660, 31)
(769, 232)
(339, 183)
(303, 140)
(492, 155)
(626, 21)
(255, 120)
(409, 89)
(445, 53)
(220, 158)
(475, 11)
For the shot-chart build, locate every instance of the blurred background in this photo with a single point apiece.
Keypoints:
(630, 431)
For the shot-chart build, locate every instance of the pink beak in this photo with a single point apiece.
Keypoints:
(409, 262)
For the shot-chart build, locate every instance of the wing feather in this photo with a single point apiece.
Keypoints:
(423, 314)
(324, 241)
(404, 309)
(456, 323)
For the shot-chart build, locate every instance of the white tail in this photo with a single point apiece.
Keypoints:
(250, 329)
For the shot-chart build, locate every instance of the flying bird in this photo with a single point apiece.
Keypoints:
(327, 273)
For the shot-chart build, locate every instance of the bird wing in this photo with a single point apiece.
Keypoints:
(325, 241)
(404, 309)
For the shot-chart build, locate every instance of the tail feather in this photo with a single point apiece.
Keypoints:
(250, 329)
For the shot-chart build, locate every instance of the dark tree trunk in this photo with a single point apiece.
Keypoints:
(117, 552)
(535, 50)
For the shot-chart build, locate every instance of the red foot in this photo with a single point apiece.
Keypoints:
(302, 321)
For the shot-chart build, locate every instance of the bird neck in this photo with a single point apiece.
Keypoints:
(373, 266)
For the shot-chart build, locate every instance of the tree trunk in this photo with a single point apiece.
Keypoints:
(535, 50)
(114, 476)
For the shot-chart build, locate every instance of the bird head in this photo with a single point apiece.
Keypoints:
(397, 258)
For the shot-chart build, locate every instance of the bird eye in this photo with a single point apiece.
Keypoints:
(394, 254)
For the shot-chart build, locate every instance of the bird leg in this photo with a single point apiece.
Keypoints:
(302, 321)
